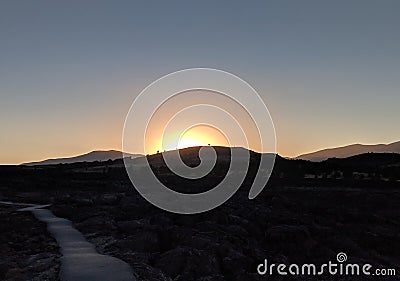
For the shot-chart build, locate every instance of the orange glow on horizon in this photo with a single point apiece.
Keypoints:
(193, 119)
(201, 135)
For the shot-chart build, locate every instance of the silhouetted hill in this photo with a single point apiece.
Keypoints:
(350, 150)
(88, 157)
(368, 160)
(375, 170)
(368, 167)
(190, 155)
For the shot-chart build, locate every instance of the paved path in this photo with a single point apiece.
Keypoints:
(80, 261)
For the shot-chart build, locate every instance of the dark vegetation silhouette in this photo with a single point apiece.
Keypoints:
(364, 170)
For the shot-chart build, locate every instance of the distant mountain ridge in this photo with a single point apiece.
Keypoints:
(350, 150)
(321, 155)
(98, 155)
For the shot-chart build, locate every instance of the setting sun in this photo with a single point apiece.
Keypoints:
(200, 135)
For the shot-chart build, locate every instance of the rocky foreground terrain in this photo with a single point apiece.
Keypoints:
(27, 251)
(286, 225)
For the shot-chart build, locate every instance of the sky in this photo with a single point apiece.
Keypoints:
(69, 70)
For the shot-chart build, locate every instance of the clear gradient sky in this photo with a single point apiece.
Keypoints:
(329, 71)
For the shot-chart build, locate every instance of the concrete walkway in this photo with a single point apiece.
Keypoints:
(80, 261)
